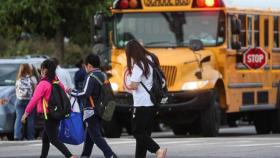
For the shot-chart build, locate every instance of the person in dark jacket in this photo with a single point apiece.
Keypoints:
(80, 75)
(79, 79)
(91, 99)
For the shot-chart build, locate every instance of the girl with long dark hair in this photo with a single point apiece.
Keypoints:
(139, 62)
(43, 90)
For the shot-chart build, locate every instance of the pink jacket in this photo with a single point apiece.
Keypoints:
(43, 90)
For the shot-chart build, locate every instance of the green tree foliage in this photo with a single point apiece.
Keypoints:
(52, 19)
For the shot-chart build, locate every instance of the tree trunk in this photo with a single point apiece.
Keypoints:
(59, 43)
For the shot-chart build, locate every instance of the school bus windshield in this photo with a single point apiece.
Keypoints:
(169, 29)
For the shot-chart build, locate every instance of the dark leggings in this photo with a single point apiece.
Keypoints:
(50, 133)
(142, 126)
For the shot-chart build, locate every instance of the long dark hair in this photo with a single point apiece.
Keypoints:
(51, 67)
(134, 50)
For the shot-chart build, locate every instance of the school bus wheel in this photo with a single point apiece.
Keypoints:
(210, 118)
(276, 121)
(261, 122)
(179, 129)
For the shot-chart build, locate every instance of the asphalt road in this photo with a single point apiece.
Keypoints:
(239, 142)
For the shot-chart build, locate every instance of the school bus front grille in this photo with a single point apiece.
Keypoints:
(170, 73)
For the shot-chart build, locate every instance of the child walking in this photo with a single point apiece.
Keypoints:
(43, 90)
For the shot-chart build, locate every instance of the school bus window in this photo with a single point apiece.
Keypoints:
(276, 32)
(257, 30)
(243, 30)
(249, 31)
(266, 32)
(176, 28)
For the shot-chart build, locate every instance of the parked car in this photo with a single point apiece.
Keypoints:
(8, 72)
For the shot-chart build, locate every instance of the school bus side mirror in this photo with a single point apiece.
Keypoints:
(100, 28)
(236, 45)
(98, 21)
(196, 45)
(235, 26)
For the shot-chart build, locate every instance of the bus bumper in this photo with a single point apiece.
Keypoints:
(184, 107)
(187, 101)
(178, 102)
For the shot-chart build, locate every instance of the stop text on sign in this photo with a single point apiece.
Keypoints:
(160, 3)
(255, 58)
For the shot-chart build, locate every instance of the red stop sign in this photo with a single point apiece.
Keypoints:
(255, 58)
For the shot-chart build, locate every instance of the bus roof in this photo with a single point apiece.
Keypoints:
(234, 5)
(262, 5)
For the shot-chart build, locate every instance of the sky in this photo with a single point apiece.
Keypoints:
(254, 4)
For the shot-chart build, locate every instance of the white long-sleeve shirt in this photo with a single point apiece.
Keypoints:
(64, 77)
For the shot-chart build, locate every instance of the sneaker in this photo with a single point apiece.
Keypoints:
(73, 157)
(161, 153)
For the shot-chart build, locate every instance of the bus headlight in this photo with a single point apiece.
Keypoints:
(114, 86)
(194, 85)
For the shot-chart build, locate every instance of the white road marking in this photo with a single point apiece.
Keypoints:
(34, 145)
(180, 142)
(253, 145)
(121, 142)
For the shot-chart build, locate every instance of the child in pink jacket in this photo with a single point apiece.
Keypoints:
(43, 90)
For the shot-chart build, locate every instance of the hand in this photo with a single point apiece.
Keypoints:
(68, 91)
(23, 119)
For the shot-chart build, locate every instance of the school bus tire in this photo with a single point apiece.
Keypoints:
(179, 129)
(276, 121)
(194, 128)
(210, 118)
(261, 122)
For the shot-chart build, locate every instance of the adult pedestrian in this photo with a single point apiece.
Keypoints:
(91, 98)
(43, 90)
(24, 90)
(80, 75)
(140, 70)
(79, 79)
(63, 75)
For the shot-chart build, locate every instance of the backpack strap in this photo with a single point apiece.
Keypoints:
(45, 105)
(97, 78)
(100, 82)
(145, 88)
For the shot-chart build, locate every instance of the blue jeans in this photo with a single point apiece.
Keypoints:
(20, 108)
(93, 136)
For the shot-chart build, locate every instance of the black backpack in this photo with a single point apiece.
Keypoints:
(158, 92)
(107, 106)
(59, 105)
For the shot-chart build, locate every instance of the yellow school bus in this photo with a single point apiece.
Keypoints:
(221, 59)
